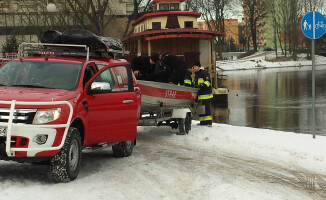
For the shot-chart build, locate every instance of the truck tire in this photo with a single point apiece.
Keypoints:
(65, 165)
(181, 125)
(188, 122)
(123, 149)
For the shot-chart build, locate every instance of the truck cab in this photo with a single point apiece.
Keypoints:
(54, 103)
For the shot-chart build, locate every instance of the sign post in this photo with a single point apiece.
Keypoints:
(313, 26)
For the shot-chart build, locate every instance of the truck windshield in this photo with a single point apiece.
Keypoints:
(40, 74)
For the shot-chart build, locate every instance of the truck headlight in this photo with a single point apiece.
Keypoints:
(43, 116)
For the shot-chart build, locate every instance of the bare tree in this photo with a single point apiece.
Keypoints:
(255, 11)
(288, 23)
(293, 24)
(192, 5)
(139, 6)
(308, 6)
(92, 12)
(94, 15)
(213, 14)
(283, 18)
(271, 6)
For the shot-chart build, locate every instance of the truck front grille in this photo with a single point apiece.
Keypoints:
(21, 116)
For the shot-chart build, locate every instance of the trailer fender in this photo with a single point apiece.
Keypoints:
(180, 113)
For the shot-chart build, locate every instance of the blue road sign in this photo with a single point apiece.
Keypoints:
(313, 25)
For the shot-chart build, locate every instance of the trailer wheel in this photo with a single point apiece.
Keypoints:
(65, 165)
(188, 122)
(181, 125)
(123, 149)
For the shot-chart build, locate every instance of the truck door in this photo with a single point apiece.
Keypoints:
(112, 113)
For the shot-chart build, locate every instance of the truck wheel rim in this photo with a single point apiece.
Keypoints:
(73, 155)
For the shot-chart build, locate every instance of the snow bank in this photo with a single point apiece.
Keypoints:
(260, 61)
(285, 148)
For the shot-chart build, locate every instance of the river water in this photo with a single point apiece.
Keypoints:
(279, 99)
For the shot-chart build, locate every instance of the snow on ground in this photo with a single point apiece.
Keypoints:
(259, 60)
(222, 162)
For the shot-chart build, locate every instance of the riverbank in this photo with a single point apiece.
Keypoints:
(263, 60)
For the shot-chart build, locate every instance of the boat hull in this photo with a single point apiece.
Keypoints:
(156, 96)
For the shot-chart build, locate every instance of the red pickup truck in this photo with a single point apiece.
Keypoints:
(55, 103)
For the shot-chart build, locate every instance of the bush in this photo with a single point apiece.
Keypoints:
(11, 45)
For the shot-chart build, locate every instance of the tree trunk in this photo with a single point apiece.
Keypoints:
(275, 37)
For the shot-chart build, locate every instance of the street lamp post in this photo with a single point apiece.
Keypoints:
(230, 43)
(51, 8)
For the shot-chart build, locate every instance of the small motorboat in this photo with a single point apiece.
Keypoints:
(167, 104)
(154, 95)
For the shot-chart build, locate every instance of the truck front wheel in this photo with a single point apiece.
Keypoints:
(65, 165)
(123, 149)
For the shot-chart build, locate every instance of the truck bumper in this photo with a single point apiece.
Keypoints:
(30, 140)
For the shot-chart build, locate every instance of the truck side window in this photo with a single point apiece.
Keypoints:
(121, 78)
(106, 76)
(118, 78)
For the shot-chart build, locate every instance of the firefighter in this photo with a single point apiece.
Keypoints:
(188, 77)
(175, 68)
(203, 82)
(142, 66)
(160, 73)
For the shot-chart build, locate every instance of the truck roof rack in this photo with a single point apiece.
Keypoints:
(97, 44)
(54, 49)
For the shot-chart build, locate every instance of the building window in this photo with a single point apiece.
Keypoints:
(174, 6)
(189, 24)
(156, 25)
(164, 6)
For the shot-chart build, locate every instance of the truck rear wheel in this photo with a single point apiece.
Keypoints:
(123, 149)
(65, 165)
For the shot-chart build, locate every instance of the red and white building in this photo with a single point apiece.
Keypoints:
(171, 30)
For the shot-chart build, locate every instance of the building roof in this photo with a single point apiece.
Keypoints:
(174, 33)
(156, 1)
(165, 13)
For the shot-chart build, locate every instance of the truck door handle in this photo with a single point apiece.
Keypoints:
(128, 101)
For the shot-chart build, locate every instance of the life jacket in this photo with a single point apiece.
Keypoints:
(188, 79)
(203, 82)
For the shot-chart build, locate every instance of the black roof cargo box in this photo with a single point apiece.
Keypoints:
(82, 37)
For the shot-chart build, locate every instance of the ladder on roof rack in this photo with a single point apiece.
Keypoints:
(53, 52)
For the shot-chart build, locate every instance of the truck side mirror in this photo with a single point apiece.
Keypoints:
(99, 88)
